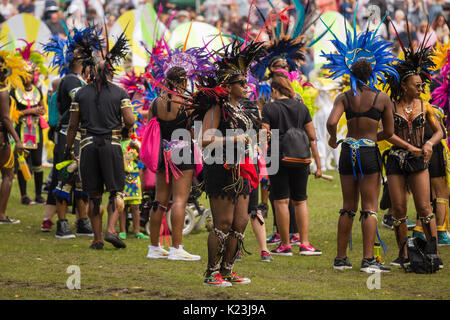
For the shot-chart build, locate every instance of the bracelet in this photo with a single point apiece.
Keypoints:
(428, 141)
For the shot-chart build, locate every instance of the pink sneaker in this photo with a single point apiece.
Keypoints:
(309, 250)
(274, 238)
(295, 240)
(282, 251)
(46, 225)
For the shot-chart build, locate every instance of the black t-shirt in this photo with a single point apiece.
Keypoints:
(66, 92)
(283, 114)
(100, 115)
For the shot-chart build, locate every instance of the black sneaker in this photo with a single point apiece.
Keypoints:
(115, 240)
(63, 230)
(397, 262)
(373, 266)
(388, 221)
(342, 264)
(96, 245)
(84, 227)
(40, 200)
(26, 200)
(441, 264)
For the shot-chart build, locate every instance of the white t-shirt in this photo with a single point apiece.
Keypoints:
(7, 10)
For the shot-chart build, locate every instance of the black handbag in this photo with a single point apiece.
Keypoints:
(422, 256)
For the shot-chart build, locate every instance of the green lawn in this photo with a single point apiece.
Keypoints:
(33, 264)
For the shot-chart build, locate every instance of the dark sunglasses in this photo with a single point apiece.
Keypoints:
(243, 83)
(282, 66)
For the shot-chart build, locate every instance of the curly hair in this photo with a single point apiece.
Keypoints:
(362, 69)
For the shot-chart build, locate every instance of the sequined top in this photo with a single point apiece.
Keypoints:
(410, 131)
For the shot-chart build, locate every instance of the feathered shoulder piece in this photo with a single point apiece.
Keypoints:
(415, 62)
(237, 59)
(14, 68)
(366, 46)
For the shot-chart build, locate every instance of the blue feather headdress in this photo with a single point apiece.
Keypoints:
(80, 45)
(365, 46)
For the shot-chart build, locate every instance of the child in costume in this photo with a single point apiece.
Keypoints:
(132, 193)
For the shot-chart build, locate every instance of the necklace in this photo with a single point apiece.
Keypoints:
(407, 110)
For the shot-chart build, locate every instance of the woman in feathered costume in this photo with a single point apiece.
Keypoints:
(29, 110)
(12, 69)
(367, 59)
(439, 168)
(229, 173)
(408, 159)
(176, 71)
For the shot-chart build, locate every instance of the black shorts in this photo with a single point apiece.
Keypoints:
(219, 182)
(183, 166)
(370, 161)
(437, 163)
(102, 167)
(395, 165)
(290, 182)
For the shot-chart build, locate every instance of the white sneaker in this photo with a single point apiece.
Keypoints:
(181, 254)
(157, 253)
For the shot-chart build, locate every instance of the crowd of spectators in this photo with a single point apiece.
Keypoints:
(232, 16)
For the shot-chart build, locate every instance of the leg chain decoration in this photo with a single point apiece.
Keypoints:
(367, 214)
(240, 248)
(351, 215)
(427, 219)
(222, 238)
(397, 222)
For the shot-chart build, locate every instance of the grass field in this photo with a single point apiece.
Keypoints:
(33, 264)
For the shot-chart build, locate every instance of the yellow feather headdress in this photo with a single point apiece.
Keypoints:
(14, 68)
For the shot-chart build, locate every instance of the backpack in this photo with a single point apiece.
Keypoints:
(151, 141)
(53, 110)
(422, 260)
(294, 146)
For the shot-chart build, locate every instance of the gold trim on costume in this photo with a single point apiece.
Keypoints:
(74, 107)
(125, 103)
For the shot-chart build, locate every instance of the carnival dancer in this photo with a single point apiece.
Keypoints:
(438, 171)
(440, 164)
(12, 69)
(230, 176)
(408, 160)
(65, 185)
(28, 112)
(174, 176)
(360, 161)
(98, 108)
